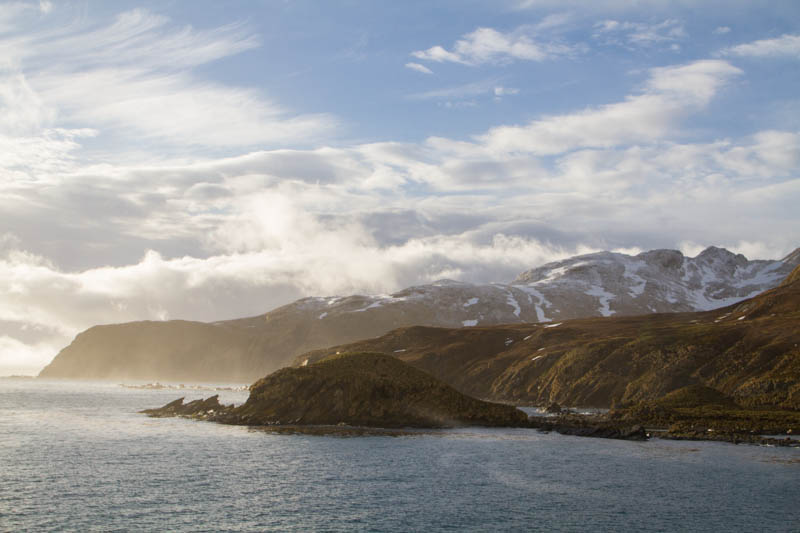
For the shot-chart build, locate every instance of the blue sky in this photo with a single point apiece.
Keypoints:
(209, 160)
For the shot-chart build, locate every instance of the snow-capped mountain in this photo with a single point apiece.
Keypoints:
(599, 284)
(657, 281)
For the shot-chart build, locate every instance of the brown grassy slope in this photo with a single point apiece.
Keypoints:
(748, 351)
(690, 412)
(365, 389)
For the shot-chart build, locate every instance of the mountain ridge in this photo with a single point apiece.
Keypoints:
(241, 350)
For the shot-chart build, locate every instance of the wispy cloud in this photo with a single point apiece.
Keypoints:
(466, 90)
(505, 91)
(419, 68)
(784, 46)
(487, 45)
(669, 94)
(639, 34)
(134, 78)
(466, 95)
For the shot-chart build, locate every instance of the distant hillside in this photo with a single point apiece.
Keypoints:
(590, 285)
(749, 351)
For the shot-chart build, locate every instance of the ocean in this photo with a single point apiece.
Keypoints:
(77, 456)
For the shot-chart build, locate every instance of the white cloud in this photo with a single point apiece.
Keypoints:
(23, 111)
(622, 6)
(137, 37)
(460, 91)
(772, 153)
(505, 91)
(419, 68)
(26, 359)
(669, 95)
(721, 30)
(785, 45)
(177, 109)
(135, 79)
(10, 15)
(291, 254)
(487, 45)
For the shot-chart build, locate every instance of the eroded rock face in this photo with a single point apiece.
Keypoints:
(355, 389)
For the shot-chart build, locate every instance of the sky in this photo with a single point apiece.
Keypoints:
(211, 160)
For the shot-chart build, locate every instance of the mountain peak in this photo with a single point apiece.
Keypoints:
(715, 251)
(664, 257)
(713, 254)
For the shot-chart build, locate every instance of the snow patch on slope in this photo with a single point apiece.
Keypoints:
(510, 300)
(541, 299)
(605, 298)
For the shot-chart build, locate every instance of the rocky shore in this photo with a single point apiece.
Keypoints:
(698, 412)
(352, 393)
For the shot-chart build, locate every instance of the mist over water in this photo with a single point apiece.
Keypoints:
(78, 456)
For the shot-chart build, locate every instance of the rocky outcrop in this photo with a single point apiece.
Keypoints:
(361, 389)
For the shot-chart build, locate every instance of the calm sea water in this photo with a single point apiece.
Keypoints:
(78, 456)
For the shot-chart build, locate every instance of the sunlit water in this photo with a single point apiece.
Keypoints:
(78, 456)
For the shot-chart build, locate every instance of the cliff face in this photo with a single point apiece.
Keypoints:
(750, 351)
(364, 389)
(175, 350)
